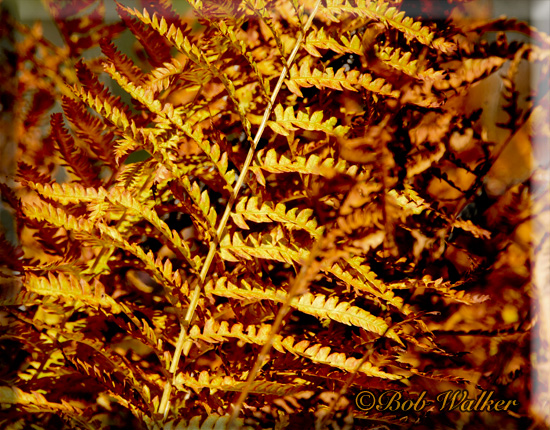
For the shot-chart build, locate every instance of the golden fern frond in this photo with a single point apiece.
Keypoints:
(71, 289)
(318, 305)
(341, 311)
(163, 272)
(273, 162)
(173, 33)
(244, 289)
(259, 8)
(15, 296)
(286, 121)
(88, 82)
(367, 282)
(215, 331)
(319, 39)
(166, 111)
(341, 80)
(133, 176)
(396, 58)
(37, 402)
(390, 17)
(228, 383)
(161, 78)
(204, 59)
(122, 197)
(203, 214)
(270, 247)
(108, 237)
(409, 200)
(115, 363)
(69, 192)
(113, 113)
(250, 209)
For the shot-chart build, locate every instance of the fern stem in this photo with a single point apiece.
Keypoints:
(165, 401)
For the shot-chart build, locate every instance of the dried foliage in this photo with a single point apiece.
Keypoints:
(197, 247)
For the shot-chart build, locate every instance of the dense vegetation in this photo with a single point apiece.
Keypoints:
(257, 210)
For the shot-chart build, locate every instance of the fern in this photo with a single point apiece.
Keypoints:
(247, 222)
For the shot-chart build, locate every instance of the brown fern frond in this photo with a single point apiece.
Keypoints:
(91, 85)
(74, 158)
(90, 129)
(156, 47)
(122, 63)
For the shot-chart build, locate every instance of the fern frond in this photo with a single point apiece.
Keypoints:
(322, 307)
(318, 39)
(243, 289)
(261, 11)
(37, 402)
(118, 117)
(366, 282)
(71, 289)
(163, 76)
(162, 271)
(318, 305)
(146, 97)
(108, 237)
(195, 54)
(390, 17)
(395, 58)
(91, 88)
(39, 106)
(13, 295)
(215, 331)
(470, 70)
(156, 46)
(287, 121)
(134, 176)
(261, 246)
(272, 162)
(28, 172)
(305, 78)
(173, 33)
(122, 63)
(204, 216)
(213, 421)
(229, 383)
(69, 192)
(241, 47)
(250, 209)
(111, 361)
(409, 200)
(118, 196)
(90, 129)
(75, 159)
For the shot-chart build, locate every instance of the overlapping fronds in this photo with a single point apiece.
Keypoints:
(245, 223)
(391, 17)
(315, 352)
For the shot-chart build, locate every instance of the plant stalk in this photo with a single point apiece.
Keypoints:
(165, 401)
